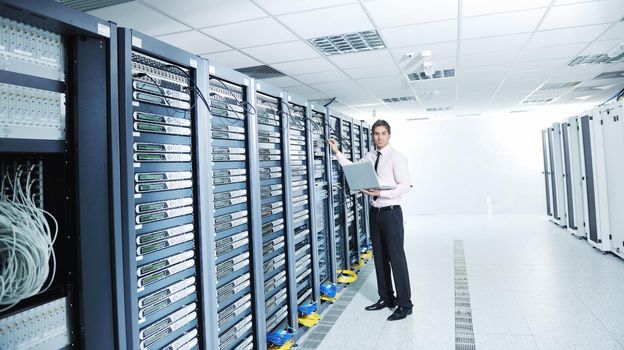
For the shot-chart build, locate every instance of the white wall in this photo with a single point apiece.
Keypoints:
(457, 164)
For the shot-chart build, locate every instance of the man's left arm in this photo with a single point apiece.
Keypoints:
(401, 177)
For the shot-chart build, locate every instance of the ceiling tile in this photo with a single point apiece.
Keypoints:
(551, 52)
(194, 41)
(367, 72)
(583, 14)
(315, 23)
(505, 43)
(615, 32)
(301, 90)
(283, 82)
(279, 7)
(437, 50)
(232, 59)
(275, 53)
(392, 13)
(321, 77)
(201, 13)
(362, 59)
(336, 86)
(304, 66)
(487, 59)
(387, 82)
(420, 34)
(600, 47)
(142, 18)
(256, 32)
(525, 65)
(390, 91)
(566, 36)
(498, 70)
(483, 7)
(500, 24)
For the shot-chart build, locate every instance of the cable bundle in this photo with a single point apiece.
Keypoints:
(280, 337)
(307, 309)
(26, 241)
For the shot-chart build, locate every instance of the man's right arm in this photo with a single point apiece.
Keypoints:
(341, 158)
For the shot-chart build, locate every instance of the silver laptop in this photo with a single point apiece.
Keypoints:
(362, 176)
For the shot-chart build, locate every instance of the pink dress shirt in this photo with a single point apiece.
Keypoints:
(392, 170)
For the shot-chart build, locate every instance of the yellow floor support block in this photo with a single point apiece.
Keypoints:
(346, 276)
(309, 320)
(286, 346)
(359, 265)
(367, 255)
(326, 298)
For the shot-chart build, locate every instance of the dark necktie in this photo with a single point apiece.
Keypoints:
(376, 164)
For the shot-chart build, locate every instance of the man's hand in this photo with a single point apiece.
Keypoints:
(374, 193)
(333, 145)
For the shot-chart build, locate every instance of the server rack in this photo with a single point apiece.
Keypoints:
(595, 216)
(361, 205)
(236, 215)
(613, 128)
(349, 137)
(321, 155)
(557, 182)
(303, 229)
(165, 265)
(58, 135)
(547, 173)
(338, 198)
(572, 168)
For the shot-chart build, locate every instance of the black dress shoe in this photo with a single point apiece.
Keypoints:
(380, 305)
(400, 313)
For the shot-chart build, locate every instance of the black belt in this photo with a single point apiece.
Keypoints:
(387, 208)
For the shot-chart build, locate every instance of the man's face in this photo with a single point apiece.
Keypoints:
(381, 136)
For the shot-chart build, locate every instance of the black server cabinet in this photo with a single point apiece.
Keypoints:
(347, 134)
(58, 142)
(338, 198)
(237, 297)
(360, 199)
(161, 120)
(321, 154)
(366, 147)
(305, 274)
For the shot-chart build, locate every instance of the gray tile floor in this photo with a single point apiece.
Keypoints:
(532, 286)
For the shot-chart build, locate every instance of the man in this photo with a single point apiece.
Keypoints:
(386, 221)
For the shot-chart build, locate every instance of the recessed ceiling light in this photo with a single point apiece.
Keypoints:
(88, 5)
(261, 72)
(583, 97)
(348, 43)
(537, 101)
(557, 86)
(597, 59)
(439, 109)
(610, 75)
(416, 119)
(468, 115)
(519, 111)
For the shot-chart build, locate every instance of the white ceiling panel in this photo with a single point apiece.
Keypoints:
(583, 14)
(304, 66)
(279, 7)
(438, 50)
(505, 43)
(390, 91)
(526, 65)
(566, 36)
(315, 23)
(615, 32)
(321, 77)
(194, 41)
(283, 82)
(201, 13)
(567, 2)
(552, 52)
(487, 59)
(301, 90)
(484, 7)
(497, 70)
(140, 17)
(500, 24)
(256, 32)
(359, 99)
(232, 59)
(362, 59)
(420, 34)
(368, 72)
(601, 47)
(392, 13)
(336, 86)
(284, 52)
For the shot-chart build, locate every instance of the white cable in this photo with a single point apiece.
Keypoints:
(26, 242)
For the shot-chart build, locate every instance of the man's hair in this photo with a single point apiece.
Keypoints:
(381, 122)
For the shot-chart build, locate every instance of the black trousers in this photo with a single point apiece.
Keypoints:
(387, 233)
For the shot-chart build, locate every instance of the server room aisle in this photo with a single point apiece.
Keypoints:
(532, 286)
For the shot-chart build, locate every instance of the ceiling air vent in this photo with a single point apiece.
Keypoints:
(537, 101)
(596, 59)
(610, 75)
(439, 74)
(88, 5)
(557, 86)
(399, 99)
(261, 72)
(439, 109)
(468, 115)
(416, 119)
(348, 43)
(519, 111)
